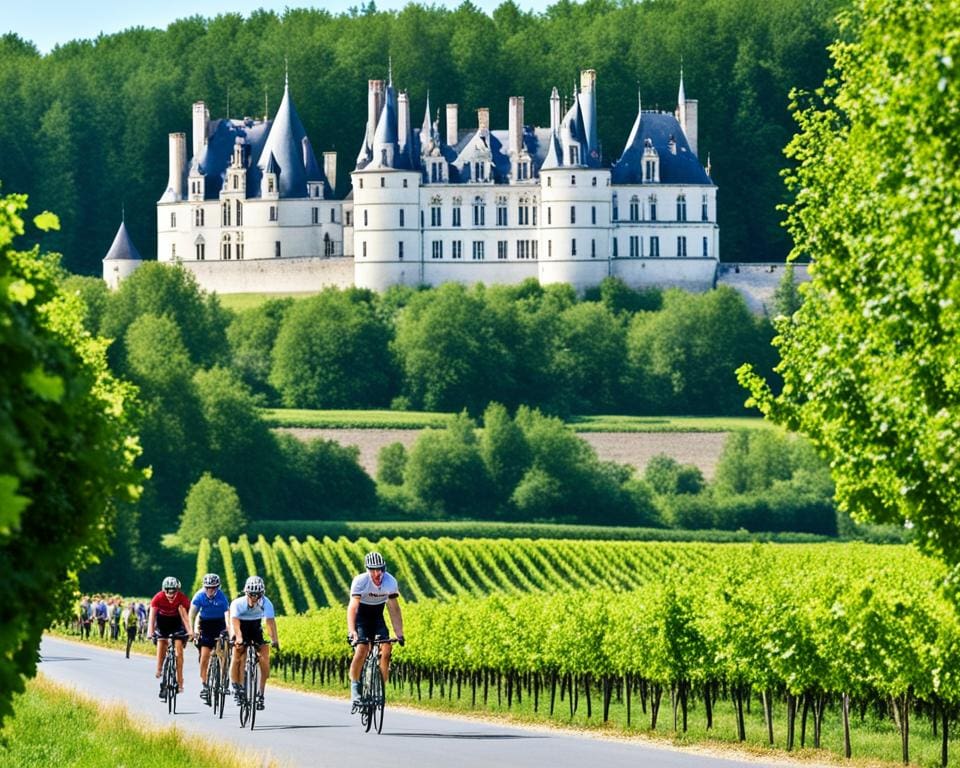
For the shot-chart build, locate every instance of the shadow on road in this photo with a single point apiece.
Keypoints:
(294, 727)
(48, 659)
(477, 736)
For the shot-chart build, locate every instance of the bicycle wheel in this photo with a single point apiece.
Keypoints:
(170, 682)
(367, 678)
(254, 688)
(213, 682)
(224, 683)
(377, 700)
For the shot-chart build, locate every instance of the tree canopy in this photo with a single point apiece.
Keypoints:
(871, 360)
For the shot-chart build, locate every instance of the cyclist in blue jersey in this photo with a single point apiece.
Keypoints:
(369, 593)
(246, 614)
(209, 611)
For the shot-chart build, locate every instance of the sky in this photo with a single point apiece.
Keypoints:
(47, 23)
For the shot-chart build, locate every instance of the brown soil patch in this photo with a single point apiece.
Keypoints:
(634, 448)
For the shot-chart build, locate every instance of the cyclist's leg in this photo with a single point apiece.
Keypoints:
(385, 650)
(264, 665)
(179, 647)
(161, 652)
(239, 656)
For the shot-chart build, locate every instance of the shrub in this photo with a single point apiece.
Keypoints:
(212, 510)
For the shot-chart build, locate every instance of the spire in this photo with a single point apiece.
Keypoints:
(122, 248)
(681, 95)
(284, 145)
(390, 70)
(682, 102)
(286, 73)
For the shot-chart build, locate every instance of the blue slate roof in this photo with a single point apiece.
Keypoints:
(680, 168)
(122, 248)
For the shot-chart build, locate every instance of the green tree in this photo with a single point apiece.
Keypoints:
(212, 510)
(504, 450)
(667, 476)
(391, 464)
(252, 335)
(332, 352)
(67, 450)
(869, 361)
(94, 294)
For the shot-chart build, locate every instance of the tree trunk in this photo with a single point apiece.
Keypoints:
(553, 691)
(944, 733)
(847, 748)
(607, 693)
(627, 683)
(586, 688)
(738, 700)
(803, 720)
(656, 692)
(767, 695)
(791, 719)
(708, 705)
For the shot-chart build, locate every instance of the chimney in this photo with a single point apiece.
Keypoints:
(201, 119)
(588, 106)
(555, 110)
(330, 169)
(483, 120)
(374, 105)
(516, 125)
(689, 124)
(403, 123)
(178, 165)
(453, 135)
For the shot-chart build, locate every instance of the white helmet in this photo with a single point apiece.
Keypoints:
(171, 582)
(254, 586)
(374, 560)
(211, 580)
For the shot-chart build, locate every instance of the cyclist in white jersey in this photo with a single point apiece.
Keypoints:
(246, 614)
(369, 593)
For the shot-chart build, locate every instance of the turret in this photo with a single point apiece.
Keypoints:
(588, 108)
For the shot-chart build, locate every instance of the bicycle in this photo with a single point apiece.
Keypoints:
(218, 674)
(251, 683)
(168, 672)
(372, 695)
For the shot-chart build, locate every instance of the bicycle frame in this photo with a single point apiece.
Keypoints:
(372, 693)
(168, 673)
(251, 682)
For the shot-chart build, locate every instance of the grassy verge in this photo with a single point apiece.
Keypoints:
(293, 417)
(241, 301)
(53, 726)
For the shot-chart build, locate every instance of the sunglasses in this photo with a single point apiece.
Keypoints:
(170, 591)
(377, 570)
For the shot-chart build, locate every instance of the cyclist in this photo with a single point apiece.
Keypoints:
(246, 614)
(209, 611)
(369, 592)
(168, 614)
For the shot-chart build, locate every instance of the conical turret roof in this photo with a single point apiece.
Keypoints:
(284, 145)
(123, 248)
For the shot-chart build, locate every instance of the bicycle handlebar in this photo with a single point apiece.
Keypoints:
(375, 641)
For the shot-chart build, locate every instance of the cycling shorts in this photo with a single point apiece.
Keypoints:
(169, 625)
(210, 630)
(370, 623)
(251, 631)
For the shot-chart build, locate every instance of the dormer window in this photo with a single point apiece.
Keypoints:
(271, 184)
(479, 171)
(574, 155)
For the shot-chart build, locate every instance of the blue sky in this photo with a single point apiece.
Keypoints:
(48, 23)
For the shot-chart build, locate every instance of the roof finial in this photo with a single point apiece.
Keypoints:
(286, 73)
(266, 103)
(390, 71)
(123, 211)
(639, 100)
(228, 102)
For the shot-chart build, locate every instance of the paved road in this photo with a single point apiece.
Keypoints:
(301, 729)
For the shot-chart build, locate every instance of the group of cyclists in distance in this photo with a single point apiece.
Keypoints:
(210, 614)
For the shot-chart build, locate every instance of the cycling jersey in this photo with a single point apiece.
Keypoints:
(369, 593)
(165, 607)
(241, 609)
(211, 608)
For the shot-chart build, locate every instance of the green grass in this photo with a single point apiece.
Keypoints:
(53, 726)
(293, 417)
(241, 301)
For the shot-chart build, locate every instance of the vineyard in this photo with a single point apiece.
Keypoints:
(623, 629)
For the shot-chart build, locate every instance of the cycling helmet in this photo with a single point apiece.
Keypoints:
(374, 560)
(254, 586)
(171, 582)
(211, 580)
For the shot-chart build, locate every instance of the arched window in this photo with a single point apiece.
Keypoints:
(479, 212)
(634, 208)
(226, 248)
(681, 207)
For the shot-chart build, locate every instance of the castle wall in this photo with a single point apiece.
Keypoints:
(286, 275)
(688, 274)
(758, 282)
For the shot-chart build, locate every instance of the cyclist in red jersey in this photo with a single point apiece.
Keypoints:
(168, 615)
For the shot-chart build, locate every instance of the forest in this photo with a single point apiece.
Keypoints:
(85, 128)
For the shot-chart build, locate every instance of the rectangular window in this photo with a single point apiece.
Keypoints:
(239, 214)
(654, 247)
(478, 250)
(549, 249)
(634, 209)
(478, 214)
(634, 247)
(173, 250)
(198, 217)
(653, 209)
(173, 220)
(706, 250)
(239, 250)
(501, 215)
(594, 182)
(201, 252)
(681, 208)
(273, 213)
(435, 216)
(573, 247)
(315, 215)
(457, 249)
(681, 247)
(383, 182)
(549, 215)
(363, 249)
(400, 250)
(573, 214)
(276, 248)
(703, 209)
(437, 249)
(533, 249)
(333, 216)
(593, 214)
(365, 218)
(456, 216)
(401, 217)
(522, 215)
(225, 214)
(534, 215)
(347, 218)
(593, 248)
(615, 254)
(501, 249)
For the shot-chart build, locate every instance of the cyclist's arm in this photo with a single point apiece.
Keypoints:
(186, 621)
(352, 610)
(272, 627)
(194, 619)
(235, 635)
(396, 619)
(152, 622)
